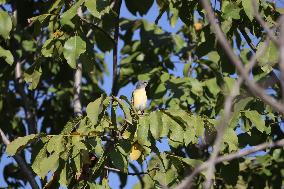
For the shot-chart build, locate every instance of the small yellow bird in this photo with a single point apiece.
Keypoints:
(139, 96)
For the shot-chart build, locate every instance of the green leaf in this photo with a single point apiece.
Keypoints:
(41, 18)
(70, 125)
(270, 56)
(230, 172)
(192, 162)
(56, 144)
(63, 177)
(7, 55)
(156, 124)
(143, 130)
(32, 75)
(238, 106)
(212, 85)
(186, 69)
(248, 8)
(256, 119)
(20, 143)
(92, 7)
(231, 138)
(194, 129)
(166, 125)
(47, 48)
(231, 11)
(139, 6)
(125, 109)
(29, 45)
(179, 42)
(176, 131)
(95, 108)
(104, 42)
(73, 48)
(98, 8)
(39, 157)
(70, 13)
(5, 24)
(118, 160)
(165, 178)
(48, 164)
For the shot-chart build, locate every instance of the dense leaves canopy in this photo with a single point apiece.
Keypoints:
(42, 44)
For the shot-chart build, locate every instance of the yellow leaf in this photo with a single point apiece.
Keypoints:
(136, 151)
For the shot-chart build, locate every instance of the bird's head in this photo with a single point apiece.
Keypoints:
(141, 84)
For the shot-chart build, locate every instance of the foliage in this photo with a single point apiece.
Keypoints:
(50, 38)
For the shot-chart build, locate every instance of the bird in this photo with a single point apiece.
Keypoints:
(139, 96)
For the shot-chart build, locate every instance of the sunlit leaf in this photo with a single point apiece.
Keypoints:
(73, 48)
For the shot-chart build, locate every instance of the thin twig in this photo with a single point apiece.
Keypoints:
(138, 173)
(27, 172)
(281, 56)
(187, 182)
(253, 87)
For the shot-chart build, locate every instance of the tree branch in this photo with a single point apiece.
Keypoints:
(32, 128)
(22, 164)
(254, 88)
(114, 89)
(187, 182)
(77, 106)
(138, 173)
(281, 56)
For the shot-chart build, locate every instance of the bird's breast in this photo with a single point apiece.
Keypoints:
(140, 99)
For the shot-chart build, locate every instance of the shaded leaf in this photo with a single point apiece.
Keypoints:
(156, 124)
(70, 13)
(143, 130)
(6, 55)
(95, 108)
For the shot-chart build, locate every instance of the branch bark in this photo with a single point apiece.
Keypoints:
(22, 164)
(114, 89)
(281, 56)
(77, 106)
(138, 173)
(31, 121)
